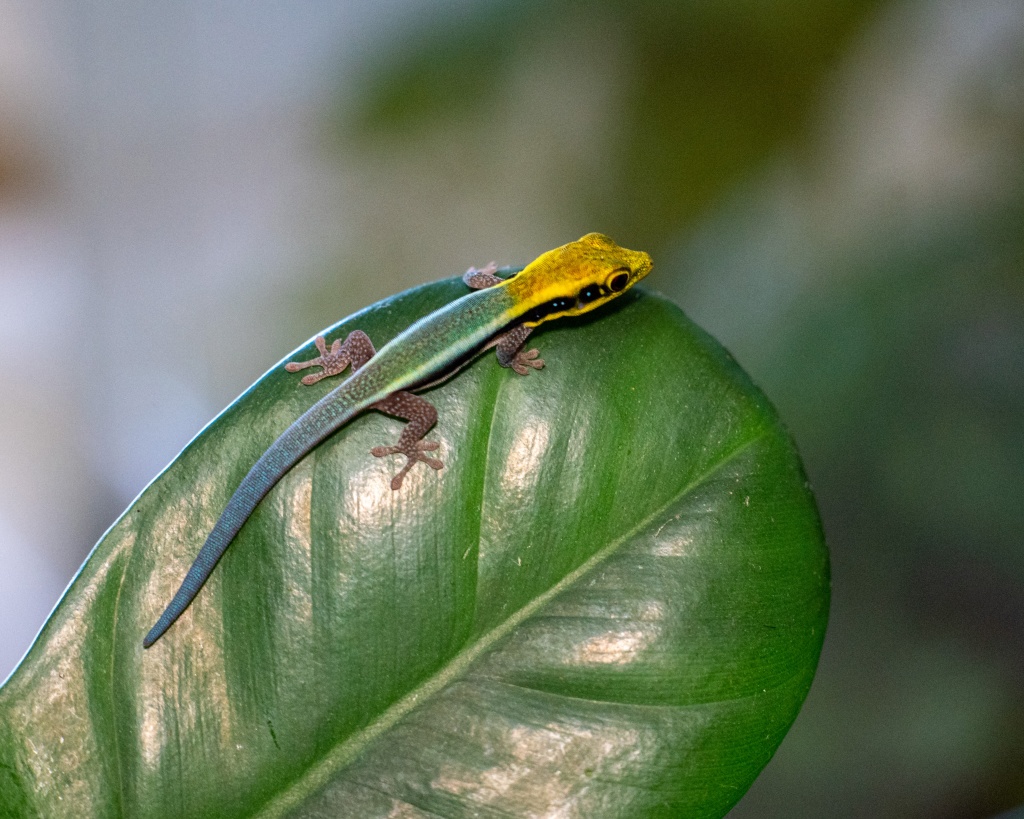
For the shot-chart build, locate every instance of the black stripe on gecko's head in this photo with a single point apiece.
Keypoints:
(592, 292)
(549, 308)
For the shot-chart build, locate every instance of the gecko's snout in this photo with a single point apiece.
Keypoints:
(641, 264)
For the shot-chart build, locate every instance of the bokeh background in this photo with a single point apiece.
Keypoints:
(834, 188)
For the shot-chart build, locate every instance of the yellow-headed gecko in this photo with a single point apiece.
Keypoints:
(500, 312)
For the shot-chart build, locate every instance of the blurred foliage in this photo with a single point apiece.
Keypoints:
(899, 365)
(709, 89)
(22, 163)
(918, 352)
(883, 313)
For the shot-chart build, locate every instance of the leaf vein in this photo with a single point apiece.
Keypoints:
(348, 749)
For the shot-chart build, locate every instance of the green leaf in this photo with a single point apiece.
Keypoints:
(610, 602)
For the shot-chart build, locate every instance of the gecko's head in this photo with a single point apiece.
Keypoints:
(577, 278)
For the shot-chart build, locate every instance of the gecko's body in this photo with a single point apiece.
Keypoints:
(500, 313)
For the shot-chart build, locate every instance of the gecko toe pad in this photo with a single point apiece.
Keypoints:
(413, 455)
(523, 360)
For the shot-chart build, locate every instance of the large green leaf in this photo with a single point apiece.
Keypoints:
(610, 602)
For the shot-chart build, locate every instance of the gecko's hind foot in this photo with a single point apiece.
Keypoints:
(527, 359)
(413, 454)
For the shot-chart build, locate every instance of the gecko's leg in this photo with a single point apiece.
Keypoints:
(356, 350)
(482, 278)
(421, 416)
(508, 344)
(511, 354)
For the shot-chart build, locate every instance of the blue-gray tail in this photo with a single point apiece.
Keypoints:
(319, 421)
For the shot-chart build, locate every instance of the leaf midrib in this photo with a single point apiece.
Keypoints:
(346, 751)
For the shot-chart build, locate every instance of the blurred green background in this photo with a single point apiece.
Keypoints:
(833, 189)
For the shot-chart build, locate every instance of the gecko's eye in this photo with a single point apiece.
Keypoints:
(618, 282)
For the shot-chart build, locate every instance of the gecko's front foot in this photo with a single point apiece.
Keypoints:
(333, 362)
(527, 359)
(483, 277)
(413, 453)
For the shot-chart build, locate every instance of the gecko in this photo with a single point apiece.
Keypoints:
(498, 312)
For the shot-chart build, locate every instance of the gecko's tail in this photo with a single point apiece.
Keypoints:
(318, 422)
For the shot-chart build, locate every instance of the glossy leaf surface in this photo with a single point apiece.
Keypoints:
(609, 603)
